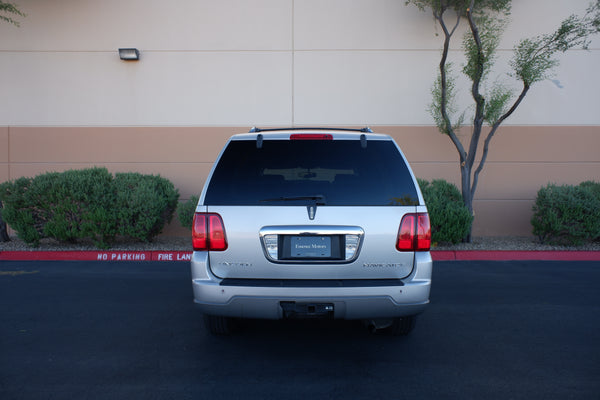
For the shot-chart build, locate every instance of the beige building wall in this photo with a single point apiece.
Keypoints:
(522, 160)
(209, 69)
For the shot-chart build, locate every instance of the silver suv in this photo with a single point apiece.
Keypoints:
(311, 223)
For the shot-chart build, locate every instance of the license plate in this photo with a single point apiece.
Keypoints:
(311, 247)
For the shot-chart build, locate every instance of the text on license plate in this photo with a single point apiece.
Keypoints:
(311, 246)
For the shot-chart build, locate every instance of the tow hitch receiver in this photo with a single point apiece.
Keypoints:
(292, 310)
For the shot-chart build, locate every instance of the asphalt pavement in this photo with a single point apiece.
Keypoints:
(129, 330)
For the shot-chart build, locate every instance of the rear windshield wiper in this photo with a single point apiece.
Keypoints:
(318, 200)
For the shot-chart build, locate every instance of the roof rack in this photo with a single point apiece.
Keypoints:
(366, 129)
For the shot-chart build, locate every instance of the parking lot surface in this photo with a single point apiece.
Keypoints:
(102, 330)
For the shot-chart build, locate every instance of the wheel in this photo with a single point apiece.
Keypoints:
(403, 326)
(219, 325)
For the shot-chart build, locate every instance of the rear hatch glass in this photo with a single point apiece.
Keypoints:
(324, 172)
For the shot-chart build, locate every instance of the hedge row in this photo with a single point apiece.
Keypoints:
(568, 215)
(92, 203)
(89, 203)
(564, 215)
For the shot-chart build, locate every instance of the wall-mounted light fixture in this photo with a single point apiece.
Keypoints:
(129, 54)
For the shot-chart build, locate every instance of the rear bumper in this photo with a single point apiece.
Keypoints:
(356, 300)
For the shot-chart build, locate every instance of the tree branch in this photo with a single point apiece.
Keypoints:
(444, 83)
(491, 134)
(477, 97)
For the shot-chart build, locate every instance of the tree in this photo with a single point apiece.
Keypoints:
(7, 10)
(533, 61)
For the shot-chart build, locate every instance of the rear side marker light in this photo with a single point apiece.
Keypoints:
(208, 232)
(414, 233)
(311, 136)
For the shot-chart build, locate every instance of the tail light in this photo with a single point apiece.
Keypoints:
(208, 232)
(414, 233)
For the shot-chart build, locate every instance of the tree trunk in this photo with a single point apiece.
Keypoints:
(3, 228)
(465, 178)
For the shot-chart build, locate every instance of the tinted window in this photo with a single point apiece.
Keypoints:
(291, 172)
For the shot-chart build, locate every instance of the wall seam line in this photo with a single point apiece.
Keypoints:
(293, 105)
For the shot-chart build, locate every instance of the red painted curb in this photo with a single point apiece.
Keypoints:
(443, 255)
(514, 255)
(156, 255)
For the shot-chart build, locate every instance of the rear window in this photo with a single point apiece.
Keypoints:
(292, 172)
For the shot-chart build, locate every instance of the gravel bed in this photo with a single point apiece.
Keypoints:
(177, 243)
(183, 243)
(514, 243)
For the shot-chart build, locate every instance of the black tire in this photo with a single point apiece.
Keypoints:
(219, 325)
(403, 326)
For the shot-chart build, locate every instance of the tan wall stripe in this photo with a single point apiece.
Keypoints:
(521, 160)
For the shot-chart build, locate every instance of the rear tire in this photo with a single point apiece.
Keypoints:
(403, 326)
(219, 325)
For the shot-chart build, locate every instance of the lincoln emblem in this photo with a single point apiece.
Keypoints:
(312, 210)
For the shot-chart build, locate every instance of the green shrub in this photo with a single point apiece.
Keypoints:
(66, 206)
(144, 204)
(78, 202)
(28, 223)
(567, 214)
(185, 211)
(88, 203)
(450, 219)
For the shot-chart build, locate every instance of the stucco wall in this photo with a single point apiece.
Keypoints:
(522, 160)
(209, 69)
(262, 62)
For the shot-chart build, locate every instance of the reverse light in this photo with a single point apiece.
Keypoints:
(271, 245)
(414, 233)
(352, 242)
(208, 232)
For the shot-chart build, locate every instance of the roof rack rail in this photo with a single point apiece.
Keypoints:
(366, 129)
